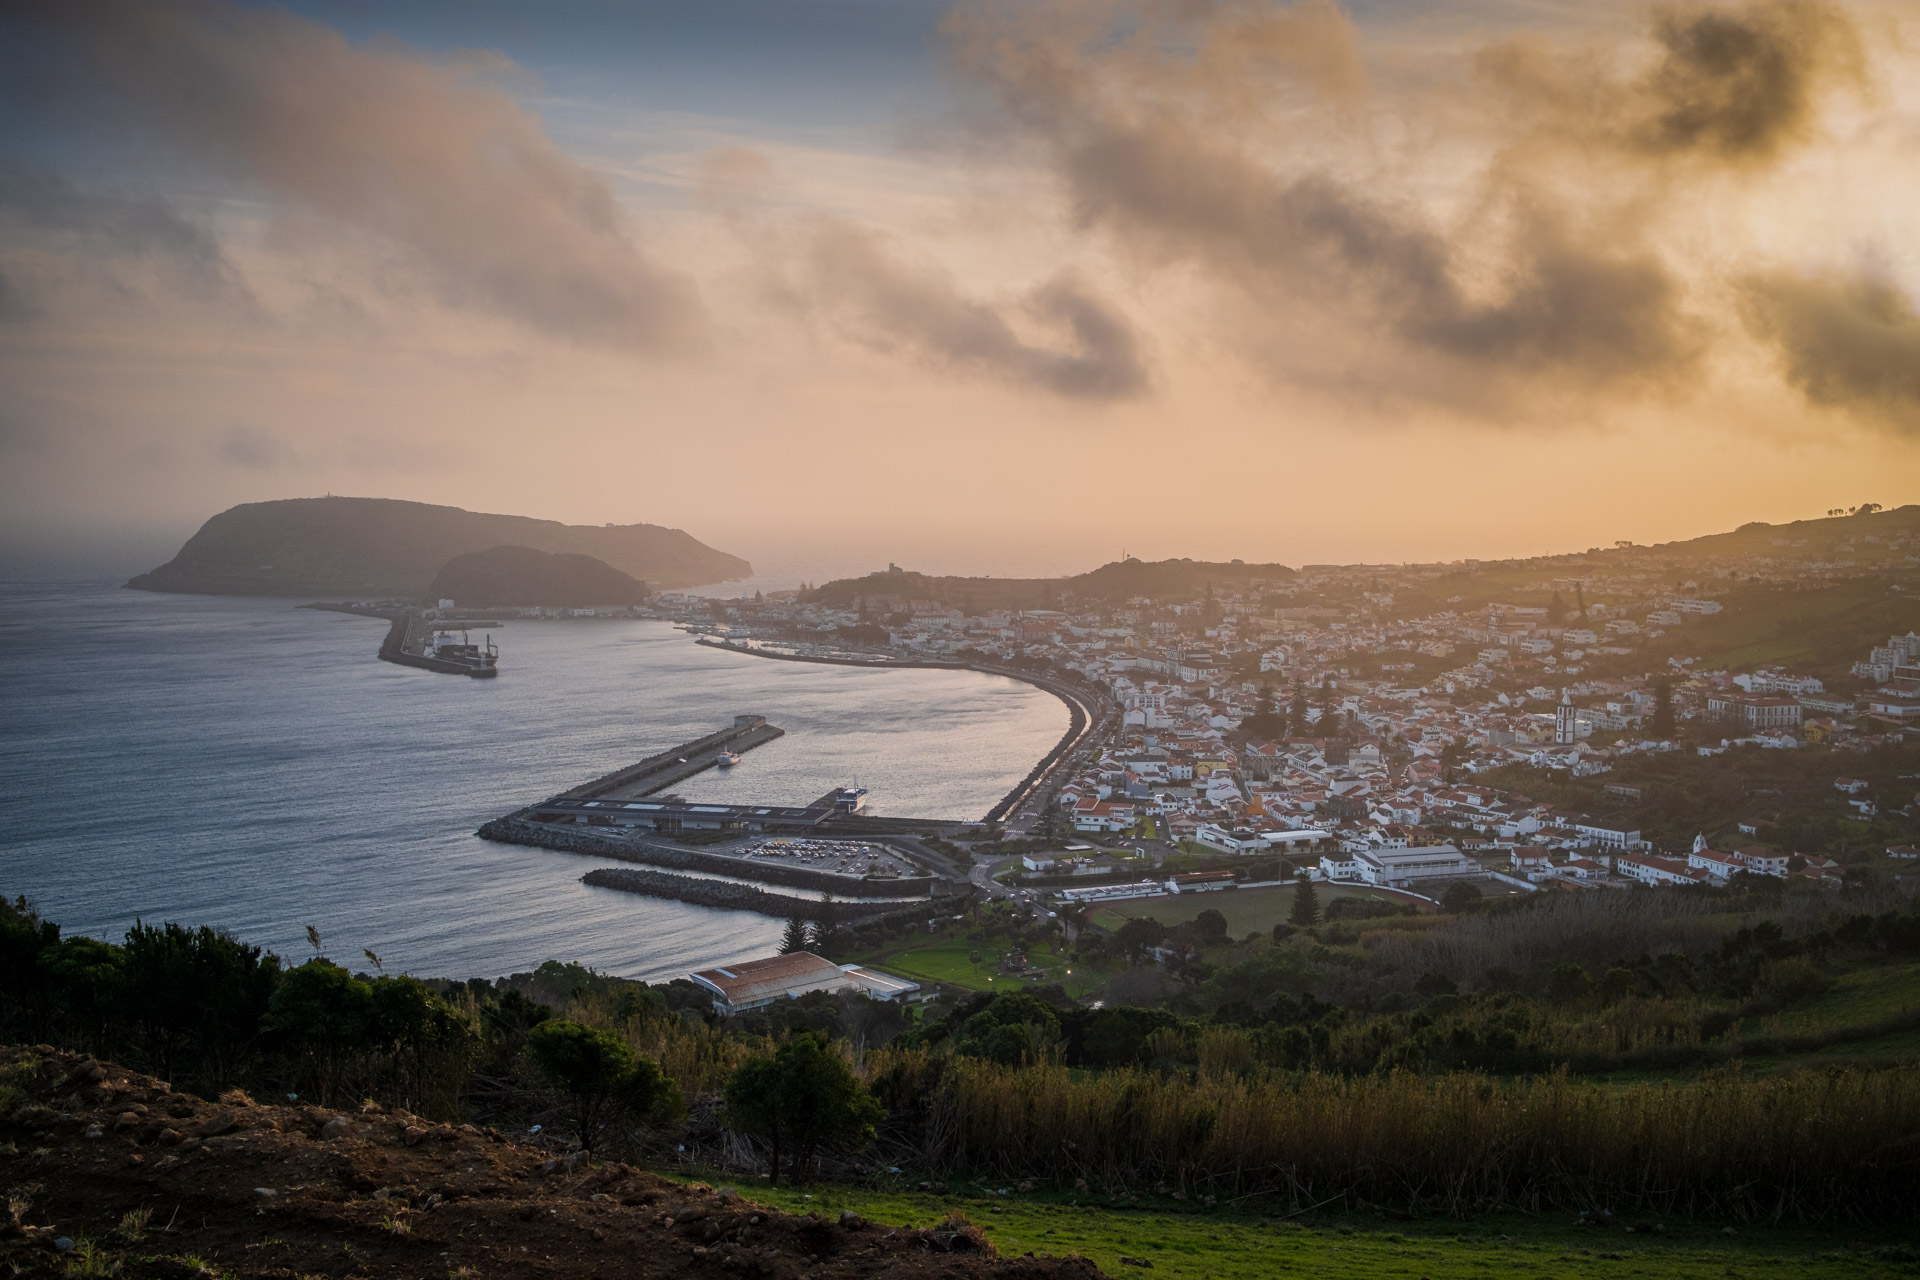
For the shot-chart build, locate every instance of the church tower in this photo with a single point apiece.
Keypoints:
(1564, 731)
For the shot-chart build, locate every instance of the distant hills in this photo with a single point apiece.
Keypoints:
(524, 576)
(1120, 580)
(1866, 538)
(385, 547)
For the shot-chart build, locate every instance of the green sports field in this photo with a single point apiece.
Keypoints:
(1247, 910)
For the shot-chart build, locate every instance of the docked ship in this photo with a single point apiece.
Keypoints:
(850, 800)
(463, 655)
(727, 759)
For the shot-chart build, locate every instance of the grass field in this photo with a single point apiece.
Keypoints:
(1180, 1243)
(949, 962)
(1247, 910)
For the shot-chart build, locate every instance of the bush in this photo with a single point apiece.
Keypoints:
(596, 1071)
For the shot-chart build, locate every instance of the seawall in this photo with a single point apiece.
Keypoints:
(739, 897)
(586, 841)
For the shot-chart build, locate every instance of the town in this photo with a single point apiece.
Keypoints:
(1402, 726)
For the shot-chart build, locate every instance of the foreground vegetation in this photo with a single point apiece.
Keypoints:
(1578, 1053)
(1183, 1241)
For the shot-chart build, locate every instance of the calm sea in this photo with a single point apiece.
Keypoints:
(250, 765)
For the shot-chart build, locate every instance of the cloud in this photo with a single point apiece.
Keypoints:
(1729, 85)
(1741, 83)
(431, 158)
(1484, 230)
(890, 305)
(254, 448)
(1186, 168)
(1846, 342)
(105, 229)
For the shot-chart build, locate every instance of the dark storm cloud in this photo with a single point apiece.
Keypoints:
(1740, 83)
(431, 158)
(1094, 354)
(1730, 85)
(1848, 343)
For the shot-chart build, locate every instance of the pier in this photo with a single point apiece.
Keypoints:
(676, 764)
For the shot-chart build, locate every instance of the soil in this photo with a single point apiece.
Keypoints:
(234, 1188)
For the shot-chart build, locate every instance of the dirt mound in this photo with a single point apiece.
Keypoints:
(105, 1167)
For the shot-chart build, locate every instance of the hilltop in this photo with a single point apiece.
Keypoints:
(524, 576)
(1169, 580)
(141, 1180)
(1860, 538)
(388, 547)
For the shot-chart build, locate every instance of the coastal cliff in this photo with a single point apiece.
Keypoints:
(367, 547)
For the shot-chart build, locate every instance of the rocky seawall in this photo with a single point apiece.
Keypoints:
(739, 897)
(588, 841)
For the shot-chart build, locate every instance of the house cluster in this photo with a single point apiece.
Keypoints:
(1344, 711)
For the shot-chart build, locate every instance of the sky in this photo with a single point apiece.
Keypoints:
(976, 287)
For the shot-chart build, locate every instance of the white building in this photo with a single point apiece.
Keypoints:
(758, 983)
(1651, 870)
(1395, 868)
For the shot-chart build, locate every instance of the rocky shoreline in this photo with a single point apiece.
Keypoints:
(538, 835)
(738, 897)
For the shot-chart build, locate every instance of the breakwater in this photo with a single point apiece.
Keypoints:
(396, 647)
(545, 836)
(740, 897)
(676, 764)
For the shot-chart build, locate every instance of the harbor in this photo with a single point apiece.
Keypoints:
(723, 851)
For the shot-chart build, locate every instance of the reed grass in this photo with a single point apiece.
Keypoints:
(1842, 1144)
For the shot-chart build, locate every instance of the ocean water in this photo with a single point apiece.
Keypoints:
(250, 765)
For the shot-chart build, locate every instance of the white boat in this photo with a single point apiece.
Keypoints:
(726, 759)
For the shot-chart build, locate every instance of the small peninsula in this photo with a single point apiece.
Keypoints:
(368, 547)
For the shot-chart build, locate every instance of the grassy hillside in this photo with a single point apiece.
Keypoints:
(1821, 631)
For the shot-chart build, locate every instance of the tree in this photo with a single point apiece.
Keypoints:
(1134, 937)
(802, 1096)
(1460, 898)
(1663, 709)
(1210, 927)
(1012, 1029)
(795, 938)
(1306, 904)
(1297, 717)
(1556, 610)
(25, 992)
(821, 940)
(326, 1013)
(597, 1072)
(197, 988)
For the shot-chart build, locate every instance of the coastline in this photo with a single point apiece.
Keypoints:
(1082, 721)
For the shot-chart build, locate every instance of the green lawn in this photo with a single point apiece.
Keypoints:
(948, 962)
(1184, 1243)
(1247, 910)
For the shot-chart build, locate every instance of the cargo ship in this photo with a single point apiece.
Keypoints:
(462, 655)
